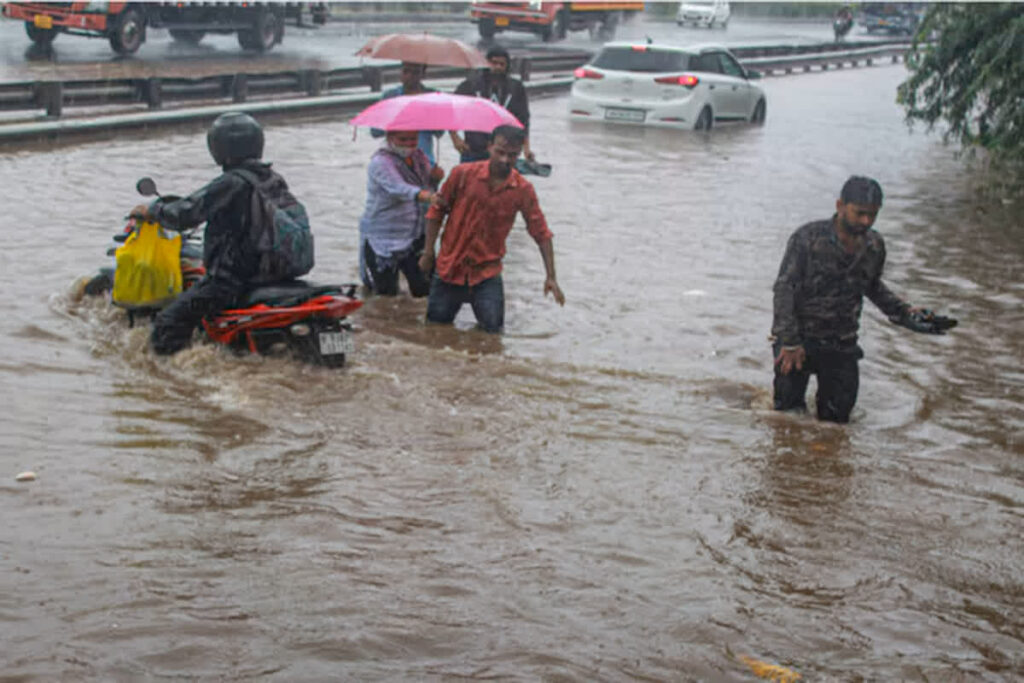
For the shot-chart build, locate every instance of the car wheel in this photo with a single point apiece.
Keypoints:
(705, 121)
(760, 112)
(128, 33)
(680, 23)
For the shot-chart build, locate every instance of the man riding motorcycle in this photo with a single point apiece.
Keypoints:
(230, 253)
(842, 22)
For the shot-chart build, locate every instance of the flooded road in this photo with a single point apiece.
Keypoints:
(600, 494)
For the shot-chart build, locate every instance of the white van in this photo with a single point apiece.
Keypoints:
(709, 13)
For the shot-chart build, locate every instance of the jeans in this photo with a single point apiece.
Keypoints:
(838, 381)
(173, 326)
(487, 299)
(383, 278)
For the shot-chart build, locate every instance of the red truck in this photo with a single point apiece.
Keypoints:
(552, 20)
(259, 25)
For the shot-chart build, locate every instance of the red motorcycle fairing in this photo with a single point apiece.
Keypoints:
(307, 319)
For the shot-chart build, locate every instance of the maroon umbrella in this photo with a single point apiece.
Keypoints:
(423, 48)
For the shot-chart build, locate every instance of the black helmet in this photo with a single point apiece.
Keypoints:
(234, 137)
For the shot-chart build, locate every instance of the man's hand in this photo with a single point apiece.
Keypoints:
(437, 174)
(550, 285)
(790, 359)
(529, 155)
(141, 211)
(438, 201)
(924, 321)
(427, 261)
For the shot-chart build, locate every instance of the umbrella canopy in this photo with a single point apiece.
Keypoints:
(436, 111)
(423, 48)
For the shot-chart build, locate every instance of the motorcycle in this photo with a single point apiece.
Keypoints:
(841, 26)
(299, 318)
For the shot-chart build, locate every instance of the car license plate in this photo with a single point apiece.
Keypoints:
(637, 115)
(336, 342)
(43, 21)
(501, 21)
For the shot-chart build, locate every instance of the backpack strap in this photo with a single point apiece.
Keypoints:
(247, 176)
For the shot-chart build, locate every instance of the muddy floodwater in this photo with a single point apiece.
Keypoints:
(600, 494)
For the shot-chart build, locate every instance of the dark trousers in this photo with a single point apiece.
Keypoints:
(173, 326)
(838, 381)
(384, 279)
(487, 299)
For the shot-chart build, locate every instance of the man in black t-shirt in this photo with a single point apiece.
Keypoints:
(495, 85)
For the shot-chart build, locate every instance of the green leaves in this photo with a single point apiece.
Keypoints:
(967, 71)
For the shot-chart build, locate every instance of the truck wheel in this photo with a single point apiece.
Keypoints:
(187, 36)
(263, 34)
(40, 36)
(562, 24)
(486, 27)
(128, 32)
(608, 26)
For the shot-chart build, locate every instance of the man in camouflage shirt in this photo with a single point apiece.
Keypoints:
(828, 268)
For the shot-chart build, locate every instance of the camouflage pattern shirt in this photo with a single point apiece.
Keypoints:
(820, 290)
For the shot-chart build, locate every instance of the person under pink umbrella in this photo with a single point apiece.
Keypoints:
(400, 185)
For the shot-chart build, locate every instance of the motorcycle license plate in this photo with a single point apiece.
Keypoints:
(336, 342)
(501, 21)
(43, 21)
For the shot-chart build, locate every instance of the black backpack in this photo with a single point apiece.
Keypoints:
(280, 231)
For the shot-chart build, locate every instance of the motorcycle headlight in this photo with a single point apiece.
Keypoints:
(300, 329)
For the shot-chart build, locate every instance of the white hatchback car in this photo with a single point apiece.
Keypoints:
(710, 13)
(666, 86)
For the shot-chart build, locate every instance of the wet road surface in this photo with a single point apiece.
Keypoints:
(600, 494)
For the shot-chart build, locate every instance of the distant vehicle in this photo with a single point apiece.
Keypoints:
(552, 20)
(259, 25)
(707, 13)
(893, 18)
(666, 86)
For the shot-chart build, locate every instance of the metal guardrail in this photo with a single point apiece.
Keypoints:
(833, 59)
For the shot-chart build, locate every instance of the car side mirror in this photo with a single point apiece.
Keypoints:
(753, 75)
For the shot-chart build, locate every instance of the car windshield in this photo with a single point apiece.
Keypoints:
(650, 60)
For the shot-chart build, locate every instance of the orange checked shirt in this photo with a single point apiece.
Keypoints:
(479, 221)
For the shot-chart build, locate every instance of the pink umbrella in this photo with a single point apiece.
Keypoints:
(436, 111)
(423, 49)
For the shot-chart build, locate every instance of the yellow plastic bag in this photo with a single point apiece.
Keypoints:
(148, 272)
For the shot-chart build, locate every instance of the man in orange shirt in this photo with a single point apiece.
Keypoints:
(481, 200)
